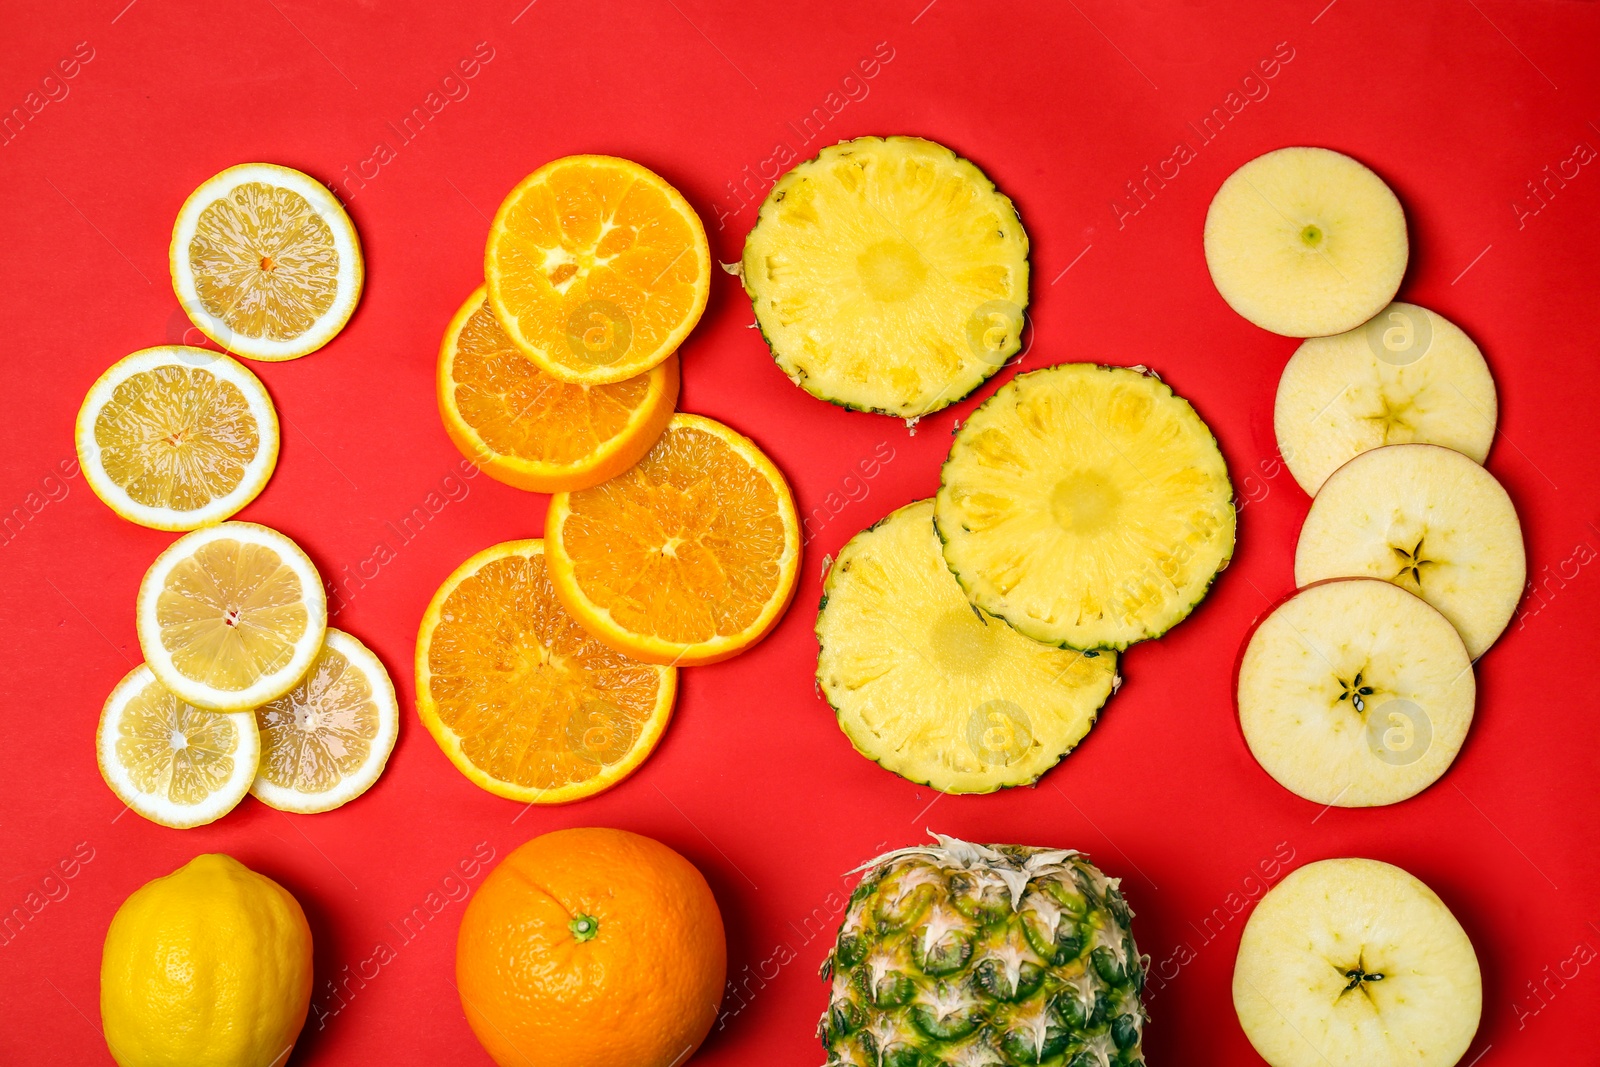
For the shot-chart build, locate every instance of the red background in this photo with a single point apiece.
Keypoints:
(1458, 104)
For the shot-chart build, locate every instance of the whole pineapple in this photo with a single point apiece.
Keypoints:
(971, 955)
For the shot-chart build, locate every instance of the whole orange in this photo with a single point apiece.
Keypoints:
(591, 948)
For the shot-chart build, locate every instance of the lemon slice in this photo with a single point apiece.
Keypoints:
(231, 616)
(170, 761)
(266, 262)
(176, 438)
(324, 742)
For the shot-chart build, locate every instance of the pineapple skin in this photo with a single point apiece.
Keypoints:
(984, 956)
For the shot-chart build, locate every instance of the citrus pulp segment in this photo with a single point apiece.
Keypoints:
(325, 742)
(231, 616)
(266, 262)
(173, 763)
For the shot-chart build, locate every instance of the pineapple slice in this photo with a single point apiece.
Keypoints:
(1087, 506)
(1355, 963)
(1429, 520)
(889, 275)
(933, 690)
(1406, 375)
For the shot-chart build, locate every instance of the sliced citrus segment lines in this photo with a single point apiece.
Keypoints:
(325, 742)
(231, 616)
(170, 761)
(266, 262)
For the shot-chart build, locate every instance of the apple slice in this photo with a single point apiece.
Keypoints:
(1306, 242)
(1405, 375)
(1355, 692)
(1355, 963)
(1429, 520)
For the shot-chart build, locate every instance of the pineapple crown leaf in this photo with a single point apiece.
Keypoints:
(1016, 881)
(955, 854)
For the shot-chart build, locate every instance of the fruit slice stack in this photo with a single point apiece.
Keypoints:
(244, 689)
(561, 370)
(546, 669)
(933, 690)
(1359, 689)
(968, 645)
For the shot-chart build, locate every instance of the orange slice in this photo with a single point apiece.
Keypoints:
(597, 268)
(690, 557)
(525, 428)
(520, 698)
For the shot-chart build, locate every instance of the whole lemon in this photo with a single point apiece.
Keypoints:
(207, 967)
